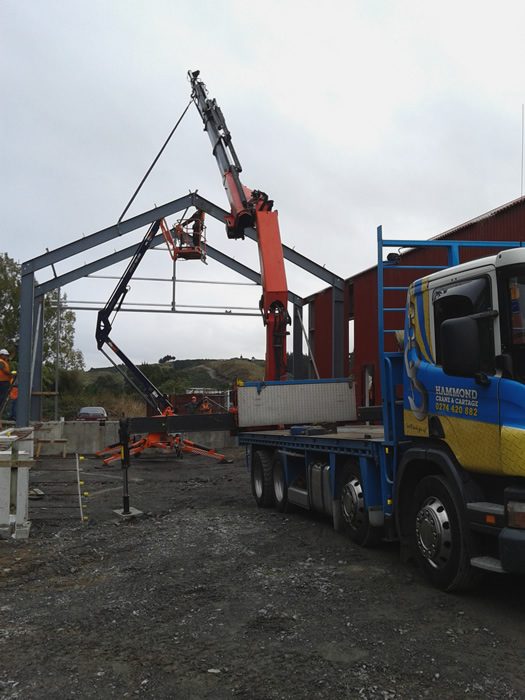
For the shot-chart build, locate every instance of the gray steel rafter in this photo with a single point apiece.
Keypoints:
(107, 234)
(337, 283)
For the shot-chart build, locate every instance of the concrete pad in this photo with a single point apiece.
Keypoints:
(133, 513)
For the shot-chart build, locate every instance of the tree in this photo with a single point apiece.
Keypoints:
(9, 302)
(9, 319)
(108, 382)
(166, 358)
(69, 358)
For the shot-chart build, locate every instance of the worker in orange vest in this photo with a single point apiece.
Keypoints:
(198, 226)
(13, 396)
(205, 406)
(5, 377)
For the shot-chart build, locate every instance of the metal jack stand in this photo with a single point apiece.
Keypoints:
(127, 511)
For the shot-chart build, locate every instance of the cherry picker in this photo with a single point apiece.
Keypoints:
(180, 244)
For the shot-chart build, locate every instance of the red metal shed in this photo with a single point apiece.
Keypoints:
(506, 223)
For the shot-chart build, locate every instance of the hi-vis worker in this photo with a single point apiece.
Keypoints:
(5, 377)
(13, 396)
(205, 406)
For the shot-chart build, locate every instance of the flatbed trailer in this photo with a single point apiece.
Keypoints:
(445, 472)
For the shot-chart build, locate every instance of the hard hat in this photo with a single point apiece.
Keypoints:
(13, 372)
(4, 352)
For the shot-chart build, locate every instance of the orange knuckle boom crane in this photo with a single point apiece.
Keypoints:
(250, 209)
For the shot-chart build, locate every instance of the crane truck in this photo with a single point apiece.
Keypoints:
(444, 472)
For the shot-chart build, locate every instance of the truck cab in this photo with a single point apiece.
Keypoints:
(464, 414)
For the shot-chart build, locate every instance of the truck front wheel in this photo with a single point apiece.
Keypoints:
(440, 538)
(349, 510)
(262, 478)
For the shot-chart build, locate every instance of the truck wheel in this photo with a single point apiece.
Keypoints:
(280, 488)
(439, 537)
(349, 511)
(262, 478)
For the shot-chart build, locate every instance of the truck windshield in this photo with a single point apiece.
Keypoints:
(513, 331)
(516, 289)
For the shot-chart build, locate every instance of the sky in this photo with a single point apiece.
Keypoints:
(348, 114)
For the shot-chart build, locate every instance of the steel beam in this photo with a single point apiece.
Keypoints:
(313, 268)
(95, 266)
(233, 264)
(337, 283)
(183, 423)
(289, 253)
(107, 234)
(125, 253)
(244, 270)
(210, 208)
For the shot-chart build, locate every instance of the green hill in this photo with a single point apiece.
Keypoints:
(105, 386)
(183, 375)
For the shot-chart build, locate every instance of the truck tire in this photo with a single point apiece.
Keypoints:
(262, 478)
(349, 512)
(280, 487)
(440, 538)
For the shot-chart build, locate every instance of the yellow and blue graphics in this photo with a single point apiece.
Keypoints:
(483, 424)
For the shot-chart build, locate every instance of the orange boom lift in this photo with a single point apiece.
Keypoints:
(178, 245)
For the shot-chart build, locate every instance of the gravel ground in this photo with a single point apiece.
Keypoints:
(208, 597)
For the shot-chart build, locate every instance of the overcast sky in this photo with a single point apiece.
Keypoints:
(349, 114)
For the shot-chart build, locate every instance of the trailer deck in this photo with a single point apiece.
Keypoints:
(355, 439)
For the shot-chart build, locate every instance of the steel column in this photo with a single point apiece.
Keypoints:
(36, 360)
(338, 334)
(24, 349)
(297, 330)
(311, 340)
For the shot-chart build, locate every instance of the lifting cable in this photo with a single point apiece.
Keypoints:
(146, 177)
(152, 165)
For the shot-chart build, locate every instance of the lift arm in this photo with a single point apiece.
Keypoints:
(250, 209)
(135, 377)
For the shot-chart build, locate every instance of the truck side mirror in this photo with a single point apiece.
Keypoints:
(460, 347)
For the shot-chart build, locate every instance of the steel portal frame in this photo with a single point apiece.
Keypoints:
(32, 294)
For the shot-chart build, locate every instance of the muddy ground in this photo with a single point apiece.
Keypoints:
(208, 597)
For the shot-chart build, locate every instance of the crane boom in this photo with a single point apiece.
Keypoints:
(250, 209)
(135, 376)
